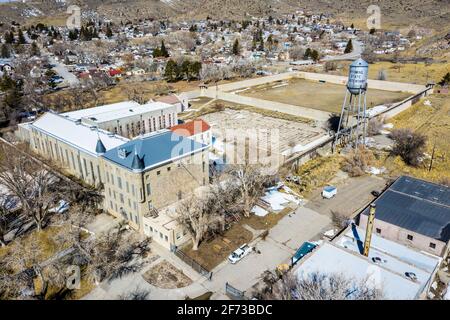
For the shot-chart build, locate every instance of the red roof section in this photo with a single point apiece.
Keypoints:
(191, 128)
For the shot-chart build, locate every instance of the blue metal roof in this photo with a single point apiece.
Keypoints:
(305, 248)
(152, 150)
(416, 205)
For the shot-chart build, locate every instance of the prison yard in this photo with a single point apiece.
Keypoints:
(290, 132)
(317, 95)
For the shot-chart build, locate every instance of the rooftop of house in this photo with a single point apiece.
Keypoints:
(416, 205)
(172, 99)
(386, 268)
(191, 128)
(76, 134)
(116, 111)
(153, 150)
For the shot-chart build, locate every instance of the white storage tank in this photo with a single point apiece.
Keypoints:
(357, 77)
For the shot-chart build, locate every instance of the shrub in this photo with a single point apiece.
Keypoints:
(408, 145)
(357, 161)
(375, 126)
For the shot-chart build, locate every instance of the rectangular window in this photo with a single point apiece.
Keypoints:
(107, 176)
(178, 236)
(410, 237)
(129, 203)
(148, 189)
(378, 230)
(151, 229)
(111, 204)
(432, 245)
(128, 187)
(112, 179)
(121, 198)
(135, 205)
(132, 190)
(136, 219)
(158, 173)
(161, 235)
(119, 182)
(168, 168)
(166, 238)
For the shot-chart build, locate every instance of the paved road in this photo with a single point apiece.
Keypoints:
(62, 70)
(278, 247)
(355, 54)
(352, 195)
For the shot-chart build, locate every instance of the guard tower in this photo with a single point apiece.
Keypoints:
(353, 120)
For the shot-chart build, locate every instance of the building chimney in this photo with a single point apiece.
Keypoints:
(369, 229)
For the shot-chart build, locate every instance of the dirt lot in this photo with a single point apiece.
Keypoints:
(166, 276)
(352, 195)
(212, 253)
(322, 96)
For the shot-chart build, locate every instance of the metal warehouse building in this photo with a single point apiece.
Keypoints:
(414, 212)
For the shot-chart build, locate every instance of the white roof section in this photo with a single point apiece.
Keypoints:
(78, 135)
(383, 248)
(330, 259)
(130, 112)
(86, 113)
(116, 111)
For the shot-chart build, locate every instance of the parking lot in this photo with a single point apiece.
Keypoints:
(352, 195)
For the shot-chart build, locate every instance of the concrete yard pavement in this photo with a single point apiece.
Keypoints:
(352, 195)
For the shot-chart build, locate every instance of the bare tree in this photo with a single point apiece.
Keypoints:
(250, 181)
(339, 220)
(33, 186)
(408, 145)
(135, 294)
(321, 286)
(196, 217)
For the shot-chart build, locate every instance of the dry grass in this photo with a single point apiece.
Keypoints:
(321, 96)
(165, 275)
(211, 253)
(434, 122)
(268, 221)
(419, 73)
(44, 239)
(315, 173)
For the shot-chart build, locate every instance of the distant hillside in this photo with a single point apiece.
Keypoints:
(399, 13)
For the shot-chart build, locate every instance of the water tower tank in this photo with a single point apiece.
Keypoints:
(357, 77)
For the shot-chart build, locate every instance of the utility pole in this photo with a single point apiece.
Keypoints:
(369, 229)
(432, 156)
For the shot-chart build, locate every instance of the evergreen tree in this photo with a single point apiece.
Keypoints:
(5, 53)
(195, 68)
(9, 37)
(34, 50)
(171, 72)
(236, 47)
(21, 38)
(109, 33)
(349, 47)
(315, 55)
(307, 53)
(163, 50)
(445, 80)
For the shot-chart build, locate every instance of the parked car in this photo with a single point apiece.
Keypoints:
(62, 207)
(239, 253)
(375, 193)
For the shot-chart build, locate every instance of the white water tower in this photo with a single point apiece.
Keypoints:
(353, 120)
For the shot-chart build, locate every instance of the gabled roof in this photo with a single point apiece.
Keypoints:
(191, 128)
(417, 205)
(152, 150)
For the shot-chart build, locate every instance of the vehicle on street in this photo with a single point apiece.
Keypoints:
(239, 253)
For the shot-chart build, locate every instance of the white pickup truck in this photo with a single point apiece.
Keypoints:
(239, 253)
